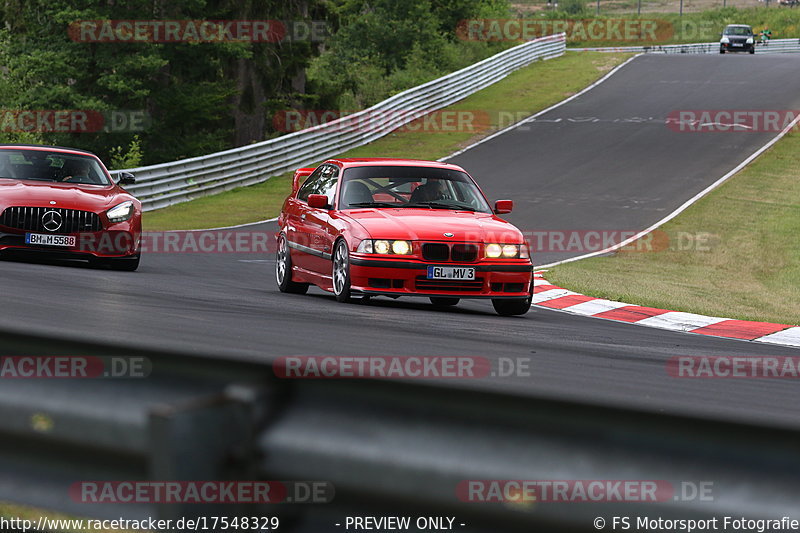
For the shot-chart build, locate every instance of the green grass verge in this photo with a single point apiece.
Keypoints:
(519, 95)
(239, 206)
(751, 269)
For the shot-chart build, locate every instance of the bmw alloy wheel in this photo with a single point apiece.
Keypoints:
(283, 270)
(341, 272)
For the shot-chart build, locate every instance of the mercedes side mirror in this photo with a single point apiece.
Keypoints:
(126, 178)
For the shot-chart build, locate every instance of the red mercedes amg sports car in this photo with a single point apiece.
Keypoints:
(63, 202)
(396, 227)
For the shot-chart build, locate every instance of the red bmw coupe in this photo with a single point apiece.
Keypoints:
(396, 227)
(62, 202)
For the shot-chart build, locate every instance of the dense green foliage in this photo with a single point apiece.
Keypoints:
(204, 97)
(384, 46)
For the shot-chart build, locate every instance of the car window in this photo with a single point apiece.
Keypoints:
(738, 30)
(40, 165)
(401, 186)
(321, 181)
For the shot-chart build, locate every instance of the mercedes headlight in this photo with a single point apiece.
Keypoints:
(121, 212)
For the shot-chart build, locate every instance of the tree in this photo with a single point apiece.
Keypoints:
(384, 46)
(200, 97)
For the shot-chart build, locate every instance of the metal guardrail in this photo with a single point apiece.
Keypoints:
(171, 183)
(775, 46)
(386, 447)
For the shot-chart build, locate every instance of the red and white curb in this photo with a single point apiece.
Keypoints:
(553, 297)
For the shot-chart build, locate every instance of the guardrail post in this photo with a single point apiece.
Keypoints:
(207, 439)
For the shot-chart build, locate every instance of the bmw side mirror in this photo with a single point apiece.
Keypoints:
(318, 201)
(501, 207)
(126, 178)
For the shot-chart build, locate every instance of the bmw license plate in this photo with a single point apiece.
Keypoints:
(737, 44)
(448, 272)
(50, 240)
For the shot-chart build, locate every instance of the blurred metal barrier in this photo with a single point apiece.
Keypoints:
(386, 447)
(171, 183)
(775, 46)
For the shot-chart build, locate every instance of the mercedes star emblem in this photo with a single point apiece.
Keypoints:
(51, 220)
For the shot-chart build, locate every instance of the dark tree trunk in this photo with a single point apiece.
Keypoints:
(248, 104)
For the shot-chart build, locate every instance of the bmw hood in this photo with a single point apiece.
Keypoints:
(435, 225)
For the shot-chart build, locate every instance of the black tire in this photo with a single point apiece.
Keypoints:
(443, 301)
(753, 50)
(122, 264)
(515, 306)
(283, 270)
(722, 51)
(340, 273)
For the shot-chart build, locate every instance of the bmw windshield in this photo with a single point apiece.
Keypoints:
(407, 187)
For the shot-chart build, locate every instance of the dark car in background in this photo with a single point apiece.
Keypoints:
(737, 38)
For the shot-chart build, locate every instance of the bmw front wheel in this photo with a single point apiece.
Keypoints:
(341, 272)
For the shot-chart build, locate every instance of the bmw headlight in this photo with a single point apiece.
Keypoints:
(507, 251)
(749, 40)
(494, 251)
(384, 247)
(401, 247)
(121, 212)
(724, 40)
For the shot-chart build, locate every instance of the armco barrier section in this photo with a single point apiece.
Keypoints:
(171, 183)
(386, 447)
(775, 46)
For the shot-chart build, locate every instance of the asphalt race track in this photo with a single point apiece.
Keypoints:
(610, 174)
(608, 161)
